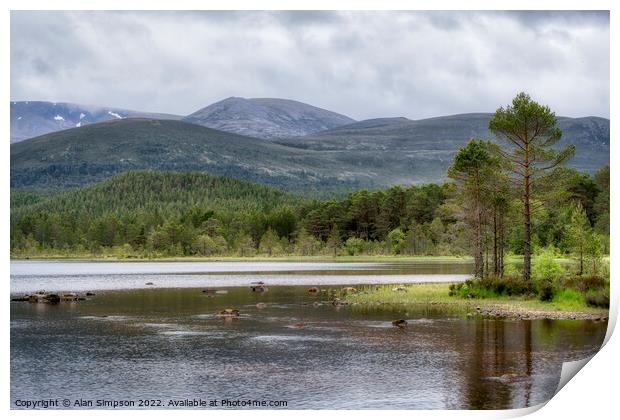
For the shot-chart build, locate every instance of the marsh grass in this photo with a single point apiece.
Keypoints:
(437, 295)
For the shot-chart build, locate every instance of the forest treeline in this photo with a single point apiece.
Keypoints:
(157, 214)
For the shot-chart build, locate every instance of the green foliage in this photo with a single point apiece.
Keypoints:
(161, 214)
(546, 268)
(529, 131)
(568, 298)
(492, 287)
(396, 241)
(601, 201)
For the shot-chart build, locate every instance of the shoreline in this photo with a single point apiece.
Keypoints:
(436, 295)
(291, 258)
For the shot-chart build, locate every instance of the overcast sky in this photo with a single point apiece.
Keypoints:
(362, 64)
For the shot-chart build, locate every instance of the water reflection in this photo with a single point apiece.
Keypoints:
(169, 343)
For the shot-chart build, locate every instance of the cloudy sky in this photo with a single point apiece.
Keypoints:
(362, 64)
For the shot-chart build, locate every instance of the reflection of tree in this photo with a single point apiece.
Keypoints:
(527, 332)
(487, 362)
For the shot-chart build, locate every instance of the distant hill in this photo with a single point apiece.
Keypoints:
(397, 140)
(155, 193)
(267, 118)
(371, 153)
(34, 118)
(87, 154)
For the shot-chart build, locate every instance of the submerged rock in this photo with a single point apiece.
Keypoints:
(400, 323)
(70, 297)
(349, 290)
(399, 289)
(259, 289)
(50, 297)
(314, 290)
(338, 302)
(261, 305)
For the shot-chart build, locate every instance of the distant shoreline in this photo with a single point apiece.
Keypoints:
(292, 258)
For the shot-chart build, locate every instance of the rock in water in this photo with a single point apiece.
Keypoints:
(229, 313)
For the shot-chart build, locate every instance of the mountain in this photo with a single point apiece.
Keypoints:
(34, 118)
(266, 118)
(87, 154)
(437, 139)
(371, 153)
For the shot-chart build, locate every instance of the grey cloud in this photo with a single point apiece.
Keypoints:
(363, 64)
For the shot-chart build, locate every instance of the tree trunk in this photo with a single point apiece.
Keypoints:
(527, 253)
(495, 256)
(502, 245)
(478, 255)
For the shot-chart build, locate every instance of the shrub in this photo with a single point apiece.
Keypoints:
(585, 283)
(545, 267)
(492, 287)
(546, 290)
(598, 298)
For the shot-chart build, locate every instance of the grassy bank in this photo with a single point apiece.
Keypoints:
(562, 307)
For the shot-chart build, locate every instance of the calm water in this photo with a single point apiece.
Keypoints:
(161, 342)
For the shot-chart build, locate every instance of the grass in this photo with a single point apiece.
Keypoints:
(567, 301)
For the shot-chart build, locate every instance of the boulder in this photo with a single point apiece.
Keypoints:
(52, 298)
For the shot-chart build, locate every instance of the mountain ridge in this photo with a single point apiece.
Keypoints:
(34, 118)
(266, 118)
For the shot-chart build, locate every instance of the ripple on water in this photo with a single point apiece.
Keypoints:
(187, 333)
(278, 338)
(106, 317)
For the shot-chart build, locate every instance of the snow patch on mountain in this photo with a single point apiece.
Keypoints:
(114, 114)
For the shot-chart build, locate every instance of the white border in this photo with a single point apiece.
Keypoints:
(591, 394)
